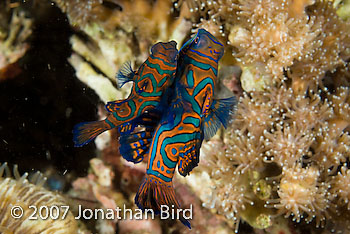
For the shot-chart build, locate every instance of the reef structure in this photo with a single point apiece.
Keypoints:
(287, 152)
(114, 32)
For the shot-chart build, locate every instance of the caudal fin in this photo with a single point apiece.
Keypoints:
(153, 193)
(85, 132)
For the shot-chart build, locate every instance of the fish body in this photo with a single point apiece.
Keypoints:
(179, 135)
(152, 78)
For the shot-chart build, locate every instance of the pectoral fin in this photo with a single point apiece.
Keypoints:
(220, 112)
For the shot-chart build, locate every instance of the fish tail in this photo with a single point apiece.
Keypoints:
(153, 194)
(85, 132)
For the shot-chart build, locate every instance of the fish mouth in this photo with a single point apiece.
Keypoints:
(173, 51)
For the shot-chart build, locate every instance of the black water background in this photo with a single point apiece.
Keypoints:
(39, 107)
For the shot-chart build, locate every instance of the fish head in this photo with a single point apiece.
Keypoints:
(166, 51)
(205, 44)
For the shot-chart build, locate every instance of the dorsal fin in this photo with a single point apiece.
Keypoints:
(125, 74)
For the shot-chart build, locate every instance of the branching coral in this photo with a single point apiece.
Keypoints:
(13, 38)
(229, 192)
(246, 153)
(253, 116)
(287, 144)
(115, 32)
(329, 49)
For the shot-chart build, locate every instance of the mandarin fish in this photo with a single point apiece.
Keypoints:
(192, 115)
(152, 78)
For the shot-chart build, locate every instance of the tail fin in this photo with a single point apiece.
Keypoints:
(153, 193)
(85, 132)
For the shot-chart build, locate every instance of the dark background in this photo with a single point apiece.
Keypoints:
(40, 106)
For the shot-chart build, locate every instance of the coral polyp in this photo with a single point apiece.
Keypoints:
(19, 196)
(301, 195)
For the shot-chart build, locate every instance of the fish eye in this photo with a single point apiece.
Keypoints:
(196, 40)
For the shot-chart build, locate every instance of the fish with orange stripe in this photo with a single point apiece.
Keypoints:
(151, 80)
(193, 115)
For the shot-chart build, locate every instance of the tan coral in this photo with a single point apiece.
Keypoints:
(306, 38)
(307, 129)
(19, 191)
(341, 106)
(327, 51)
(331, 149)
(308, 111)
(245, 152)
(302, 195)
(13, 40)
(287, 145)
(341, 187)
(253, 113)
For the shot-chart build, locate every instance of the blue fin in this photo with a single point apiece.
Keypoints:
(85, 132)
(125, 74)
(220, 112)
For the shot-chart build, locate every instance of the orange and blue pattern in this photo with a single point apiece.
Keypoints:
(193, 115)
(152, 78)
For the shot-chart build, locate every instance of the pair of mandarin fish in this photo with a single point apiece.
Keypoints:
(168, 113)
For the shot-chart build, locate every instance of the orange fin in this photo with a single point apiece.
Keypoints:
(153, 193)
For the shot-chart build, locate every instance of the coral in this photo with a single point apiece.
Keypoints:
(244, 152)
(340, 185)
(229, 191)
(305, 38)
(287, 145)
(329, 49)
(114, 32)
(13, 39)
(281, 154)
(343, 9)
(301, 195)
(253, 116)
(20, 191)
